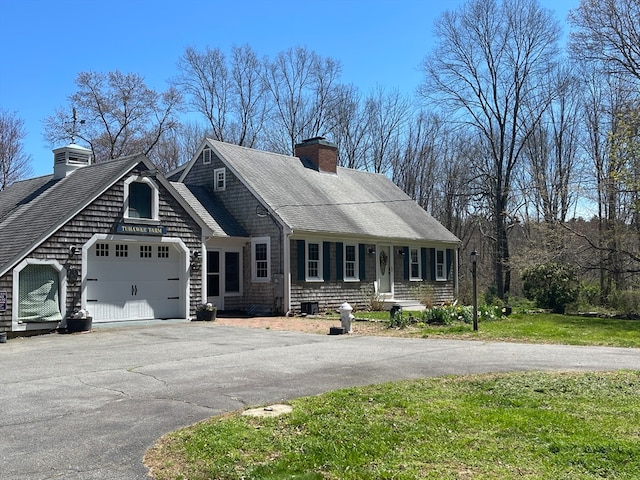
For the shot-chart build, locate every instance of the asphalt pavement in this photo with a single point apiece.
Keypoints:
(88, 406)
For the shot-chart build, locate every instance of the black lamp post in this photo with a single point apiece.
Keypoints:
(474, 270)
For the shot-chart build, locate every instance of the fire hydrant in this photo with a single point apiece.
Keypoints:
(345, 317)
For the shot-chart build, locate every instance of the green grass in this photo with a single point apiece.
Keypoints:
(549, 328)
(507, 426)
(533, 328)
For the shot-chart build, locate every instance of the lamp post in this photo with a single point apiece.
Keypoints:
(474, 273)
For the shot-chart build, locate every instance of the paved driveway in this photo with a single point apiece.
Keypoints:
(88, 406)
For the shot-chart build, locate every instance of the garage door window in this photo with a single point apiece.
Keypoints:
(122, 250)
(145, 251)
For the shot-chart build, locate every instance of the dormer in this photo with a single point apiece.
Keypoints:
(69, 158)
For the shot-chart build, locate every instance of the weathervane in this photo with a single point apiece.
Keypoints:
(74, 122)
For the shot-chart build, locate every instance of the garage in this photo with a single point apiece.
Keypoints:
(135, 279)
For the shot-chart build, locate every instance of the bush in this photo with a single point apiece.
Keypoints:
(626, 302)
(551, 285)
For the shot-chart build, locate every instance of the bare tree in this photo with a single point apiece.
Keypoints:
(15, 164)
(302, 88)
(116, 115)
(387, 114)
(608, 32)
(349, 126)
(487, 71)
(205, 79)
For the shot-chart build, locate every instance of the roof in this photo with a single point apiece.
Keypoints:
(32, 210)
(350, 202)
(202, 203)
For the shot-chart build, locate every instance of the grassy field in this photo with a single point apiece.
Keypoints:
(502, 426)
(534, 328)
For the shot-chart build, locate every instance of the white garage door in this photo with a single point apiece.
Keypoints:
(134, 280)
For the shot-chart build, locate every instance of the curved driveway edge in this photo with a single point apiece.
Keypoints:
(88, 406)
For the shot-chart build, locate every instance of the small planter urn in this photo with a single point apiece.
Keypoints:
(206, 313)
(75, 325)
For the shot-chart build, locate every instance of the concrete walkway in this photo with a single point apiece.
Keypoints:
(88, 406)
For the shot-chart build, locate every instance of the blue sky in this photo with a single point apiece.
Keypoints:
(44, 44)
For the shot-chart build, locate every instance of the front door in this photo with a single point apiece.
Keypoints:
(384, 269)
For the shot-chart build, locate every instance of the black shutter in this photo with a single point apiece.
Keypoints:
(449, 255)
(301, 259)
(326, 261)
(432, 260)
(339, 261)
(362, 260)
(406, 261)
(423, 262)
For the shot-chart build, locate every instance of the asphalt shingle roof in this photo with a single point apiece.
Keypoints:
(32, 210)
(223, 225)
(350, 202)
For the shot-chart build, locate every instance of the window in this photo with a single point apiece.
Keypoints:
(122, 250)
(440, 269)
(414, 264)
(102, 249)
(39, 294)
(219, 179)
(351, 263)
(261, 259)
(206, 156)
(145, 251)
(141, 199)
(163, 251)
(232, 272)
(314, 261)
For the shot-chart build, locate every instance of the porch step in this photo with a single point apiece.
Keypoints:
(407, 305)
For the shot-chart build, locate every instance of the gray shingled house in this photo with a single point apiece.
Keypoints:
(310, 235)
(112, 238)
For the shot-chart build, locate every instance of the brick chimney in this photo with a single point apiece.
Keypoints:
(320, 152)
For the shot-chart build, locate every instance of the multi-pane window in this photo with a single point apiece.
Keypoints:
(206, 156)
(145, 251)
(261, 259)
(350, 262)
(102, 249)
(163, 251)
(122, 250)
(313, 261)
(219, 179)
(440, 265)
(414, 263)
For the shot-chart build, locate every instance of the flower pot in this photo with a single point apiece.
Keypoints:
(206, 315)
(75, 325)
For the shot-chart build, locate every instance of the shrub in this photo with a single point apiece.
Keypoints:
(626, 302)
(551, 285)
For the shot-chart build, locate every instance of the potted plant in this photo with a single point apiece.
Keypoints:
(206, 312)
(79, 321)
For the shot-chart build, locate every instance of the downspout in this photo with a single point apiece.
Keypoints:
(286, 238)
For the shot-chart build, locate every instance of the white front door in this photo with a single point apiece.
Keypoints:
(128, 280)
(384, 269)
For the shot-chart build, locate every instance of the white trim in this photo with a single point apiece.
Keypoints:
(356, 262)
(443, 276)
(254, 273)
(216, 172)
(155, 199)
(177, 242)
(320, 276)
(413, 278)
(16, 326)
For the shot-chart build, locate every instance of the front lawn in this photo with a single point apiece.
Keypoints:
(507, 426)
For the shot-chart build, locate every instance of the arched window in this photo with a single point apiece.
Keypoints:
(141, 199)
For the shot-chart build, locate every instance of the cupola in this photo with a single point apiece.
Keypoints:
(68, 159)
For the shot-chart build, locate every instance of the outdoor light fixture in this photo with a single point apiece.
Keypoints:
(195, 259)
(474, 271)
(372, 251)
(73, 251)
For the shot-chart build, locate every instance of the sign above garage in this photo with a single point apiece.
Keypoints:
(141, 229)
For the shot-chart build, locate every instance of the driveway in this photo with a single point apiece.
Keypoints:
(88, 406)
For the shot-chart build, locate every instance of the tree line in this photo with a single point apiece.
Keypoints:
(528, 152)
